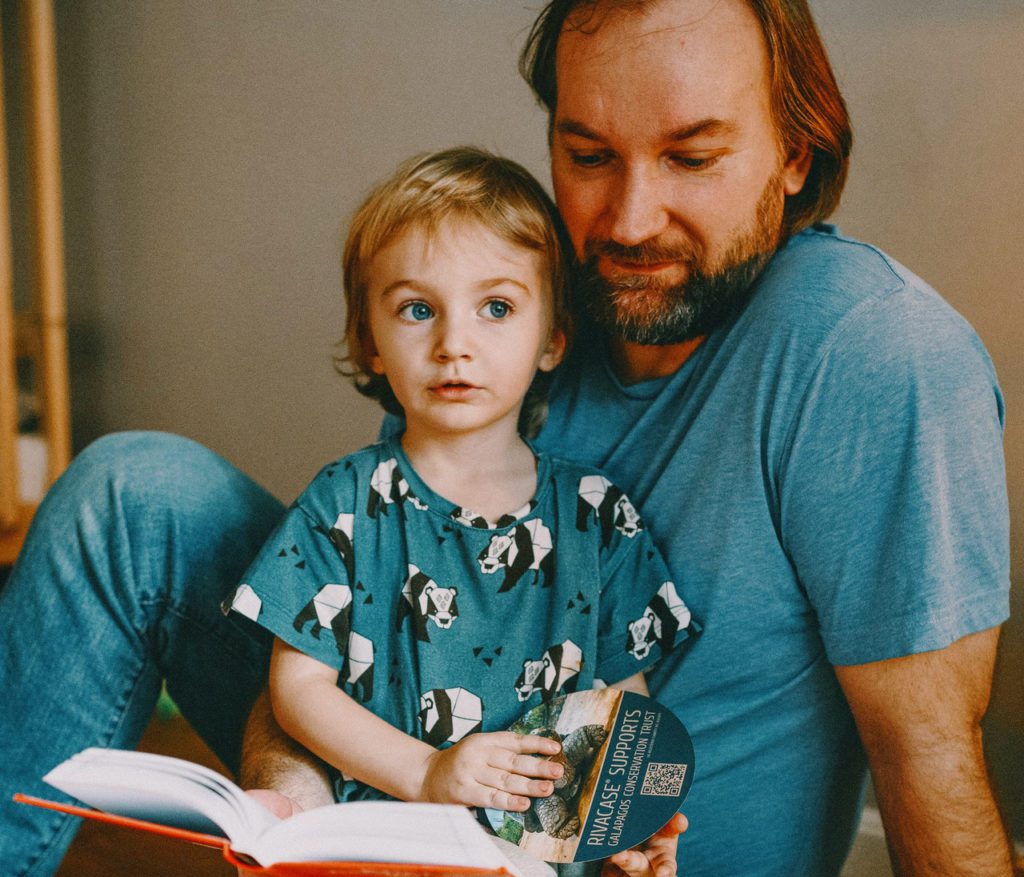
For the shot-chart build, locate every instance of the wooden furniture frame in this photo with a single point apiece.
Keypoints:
(40, 332)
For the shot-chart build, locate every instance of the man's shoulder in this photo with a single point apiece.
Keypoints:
(824, 281)
(821, 266)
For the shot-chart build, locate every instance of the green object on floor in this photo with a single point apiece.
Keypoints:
(166, 709)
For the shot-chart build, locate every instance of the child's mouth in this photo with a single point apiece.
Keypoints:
(452, 389)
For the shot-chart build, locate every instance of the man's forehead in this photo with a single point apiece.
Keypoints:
(612, 30)
(662, 66)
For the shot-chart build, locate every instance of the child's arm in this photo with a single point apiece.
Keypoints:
(483, 770)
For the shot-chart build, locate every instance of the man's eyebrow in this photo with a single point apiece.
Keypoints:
(710, 126)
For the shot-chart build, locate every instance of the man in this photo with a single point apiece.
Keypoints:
(812, 435)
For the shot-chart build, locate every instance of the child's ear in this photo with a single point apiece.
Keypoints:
(373, 358)
(554, 351)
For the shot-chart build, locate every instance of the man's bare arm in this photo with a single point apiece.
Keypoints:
(272, 760)
(919, 717)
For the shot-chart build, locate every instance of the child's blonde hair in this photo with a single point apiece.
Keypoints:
(463, 182)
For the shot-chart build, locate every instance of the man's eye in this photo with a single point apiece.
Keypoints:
(587, 159)
(416, 310)
(694, 162)
(498, 309)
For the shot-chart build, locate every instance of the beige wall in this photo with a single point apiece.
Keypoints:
(212, 150)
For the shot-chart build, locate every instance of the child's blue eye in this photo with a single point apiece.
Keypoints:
(498, 309)
(417, 310)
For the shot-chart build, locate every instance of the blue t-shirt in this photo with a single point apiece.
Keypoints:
(826, 472)
(443, 625)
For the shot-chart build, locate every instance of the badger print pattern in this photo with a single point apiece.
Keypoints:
(527, 547)
(425, 601)
(357, 671)
(330, 608)
(663, 618)
(556, 670)
(449, 714)
(387, 486)
(602, 502)
(341, 535)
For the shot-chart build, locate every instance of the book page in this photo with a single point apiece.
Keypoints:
(164, 790)
(382, 831)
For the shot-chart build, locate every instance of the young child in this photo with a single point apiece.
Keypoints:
(442, 582)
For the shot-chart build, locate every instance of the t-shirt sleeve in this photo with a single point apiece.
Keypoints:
(300, 584)
(892, 486)
(643, 616)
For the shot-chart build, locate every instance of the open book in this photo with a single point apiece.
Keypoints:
(628, 760)
(180, 799)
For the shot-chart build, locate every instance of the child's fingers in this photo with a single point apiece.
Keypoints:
(514, 784)
(526, 765)
(528, 743)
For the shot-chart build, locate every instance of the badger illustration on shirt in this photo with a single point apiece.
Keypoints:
(663, 618)
(449, 714)
(387, 486)
(424, 600)
(357, 670)
(556, 670)
(331, 608)
(527, 547)
(341, 535)
(601, 501)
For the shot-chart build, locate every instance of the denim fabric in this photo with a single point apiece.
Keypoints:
(117, 587)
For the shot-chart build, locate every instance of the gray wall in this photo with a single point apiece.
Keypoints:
(212, 151)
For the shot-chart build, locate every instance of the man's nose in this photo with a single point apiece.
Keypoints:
(638, 211)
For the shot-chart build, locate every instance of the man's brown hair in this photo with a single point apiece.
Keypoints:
(805, 99)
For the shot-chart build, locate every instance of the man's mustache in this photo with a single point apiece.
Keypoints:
(645, 253)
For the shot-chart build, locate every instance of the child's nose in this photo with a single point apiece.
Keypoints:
(454, 341)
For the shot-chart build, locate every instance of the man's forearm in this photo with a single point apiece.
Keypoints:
(940, 816)
(272, 760)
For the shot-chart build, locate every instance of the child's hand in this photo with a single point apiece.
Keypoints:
(497, 769)
(656, 856)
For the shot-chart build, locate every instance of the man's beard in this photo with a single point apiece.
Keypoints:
(642, 310)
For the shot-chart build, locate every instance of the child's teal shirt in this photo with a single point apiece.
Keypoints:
(442, 624)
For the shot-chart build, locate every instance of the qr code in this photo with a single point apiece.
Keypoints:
(663, 779)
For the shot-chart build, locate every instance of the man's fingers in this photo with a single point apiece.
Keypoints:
(631, 862)
(674, 827)
(280, 805)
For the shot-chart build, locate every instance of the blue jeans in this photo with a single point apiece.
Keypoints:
(117, 588)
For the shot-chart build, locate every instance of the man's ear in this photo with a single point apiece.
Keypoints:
(554, 351)
(796, 168)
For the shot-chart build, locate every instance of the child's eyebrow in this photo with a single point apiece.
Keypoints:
(426, 288)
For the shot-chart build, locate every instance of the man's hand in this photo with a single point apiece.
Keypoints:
(275, 765)
(656, 856)
(919, 718)
(280, 805)
(498, 769)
